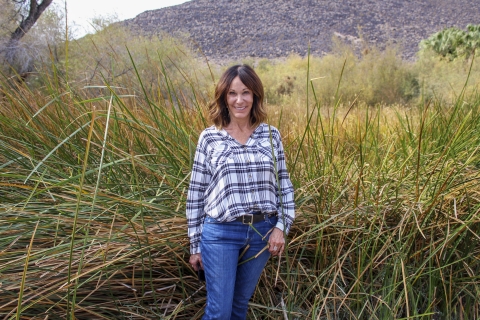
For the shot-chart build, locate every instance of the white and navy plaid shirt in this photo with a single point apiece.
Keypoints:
(230, 179)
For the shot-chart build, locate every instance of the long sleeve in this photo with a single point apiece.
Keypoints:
(199, 181)
(286, 204)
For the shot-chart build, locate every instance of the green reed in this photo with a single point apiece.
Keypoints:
(93, 182)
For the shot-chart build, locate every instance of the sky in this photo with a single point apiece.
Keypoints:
(80, 11)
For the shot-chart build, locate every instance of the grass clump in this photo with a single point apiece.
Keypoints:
(93, 182)
(375, 77)
(370, 76)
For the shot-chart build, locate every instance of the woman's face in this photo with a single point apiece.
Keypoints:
(239, 100)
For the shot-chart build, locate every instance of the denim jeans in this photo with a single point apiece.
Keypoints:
(231, 283)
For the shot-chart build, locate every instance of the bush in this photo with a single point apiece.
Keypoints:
(453, 43)
(373, 77)
(92, 202)
(108, 54)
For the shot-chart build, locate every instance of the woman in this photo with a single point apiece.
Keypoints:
(237, 210)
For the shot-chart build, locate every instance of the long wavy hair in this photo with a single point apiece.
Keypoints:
(218, 109)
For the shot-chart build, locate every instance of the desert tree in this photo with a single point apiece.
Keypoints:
(18, 18)
(453, 43)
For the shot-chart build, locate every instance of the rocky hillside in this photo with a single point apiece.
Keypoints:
(226, 29)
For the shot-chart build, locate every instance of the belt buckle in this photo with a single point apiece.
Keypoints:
(249, 220)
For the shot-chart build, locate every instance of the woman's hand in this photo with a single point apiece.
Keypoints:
(196, 261)
(276, 242)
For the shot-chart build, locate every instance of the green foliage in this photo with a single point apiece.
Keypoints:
(104, 54)
(374, 77)
(93, 182)
(95, 157)
(452, 43)
(441, 79)
(107, 55)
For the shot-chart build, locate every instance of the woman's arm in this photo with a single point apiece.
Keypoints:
(286, 204)
(199, 180)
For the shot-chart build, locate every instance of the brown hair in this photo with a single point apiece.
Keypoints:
(218, 109)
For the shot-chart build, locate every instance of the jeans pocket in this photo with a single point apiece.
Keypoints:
(272, 221)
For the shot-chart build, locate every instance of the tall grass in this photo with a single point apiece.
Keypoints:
(93, 183)
(372, 76)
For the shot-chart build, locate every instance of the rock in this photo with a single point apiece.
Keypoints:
(226, 29)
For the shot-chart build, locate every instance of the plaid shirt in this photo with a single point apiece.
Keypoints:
(230, 179)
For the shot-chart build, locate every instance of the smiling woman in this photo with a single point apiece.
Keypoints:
(240, 200)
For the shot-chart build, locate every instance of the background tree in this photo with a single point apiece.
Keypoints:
(453, 43)
(18, 18)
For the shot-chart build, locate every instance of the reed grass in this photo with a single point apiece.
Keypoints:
(93, 183)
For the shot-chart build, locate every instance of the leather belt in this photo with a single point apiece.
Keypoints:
(252, 218)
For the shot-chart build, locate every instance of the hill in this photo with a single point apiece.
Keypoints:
(226, 29)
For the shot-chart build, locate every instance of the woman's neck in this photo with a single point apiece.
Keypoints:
(240, 131)
(239, 125)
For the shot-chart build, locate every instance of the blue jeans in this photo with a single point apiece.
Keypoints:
(231, 283)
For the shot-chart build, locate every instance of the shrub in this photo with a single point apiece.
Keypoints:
(452, 43)
(375, 76)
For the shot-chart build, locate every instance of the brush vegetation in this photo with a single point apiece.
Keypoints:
(95, 155)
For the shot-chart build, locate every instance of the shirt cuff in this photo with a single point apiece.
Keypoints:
(194, 246)
(281, 226)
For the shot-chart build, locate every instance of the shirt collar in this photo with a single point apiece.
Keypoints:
(254, 136)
